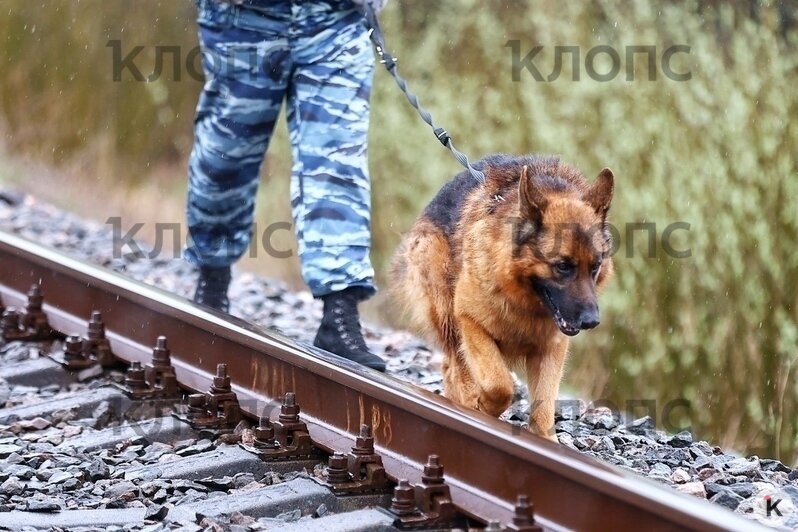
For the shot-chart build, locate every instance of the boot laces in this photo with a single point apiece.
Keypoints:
(212, 287)
(215, 281)
(347, 324)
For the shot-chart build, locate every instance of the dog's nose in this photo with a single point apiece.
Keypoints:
(589, 319)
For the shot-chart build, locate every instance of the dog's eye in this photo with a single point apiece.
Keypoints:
(564, 267)
(595, 269)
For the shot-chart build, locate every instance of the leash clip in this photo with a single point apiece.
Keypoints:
(442, 135)
(386, 59)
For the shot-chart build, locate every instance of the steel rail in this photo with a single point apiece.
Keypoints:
(487, 462)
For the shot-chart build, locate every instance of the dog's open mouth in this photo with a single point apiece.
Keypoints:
(565, 327)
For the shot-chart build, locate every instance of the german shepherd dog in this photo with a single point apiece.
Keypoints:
(503, 273)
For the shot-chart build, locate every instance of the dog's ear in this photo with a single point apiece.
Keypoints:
(599, 196)
(531, 201)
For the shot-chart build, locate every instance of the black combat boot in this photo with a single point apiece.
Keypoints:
(340, 332)
(212, 288)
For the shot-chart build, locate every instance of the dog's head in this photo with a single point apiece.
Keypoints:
(562, 245)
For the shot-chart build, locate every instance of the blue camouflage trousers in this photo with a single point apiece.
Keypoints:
(316, 56)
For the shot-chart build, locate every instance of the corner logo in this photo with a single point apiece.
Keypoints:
(772, 506)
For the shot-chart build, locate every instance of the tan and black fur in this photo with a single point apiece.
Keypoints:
(502, 273)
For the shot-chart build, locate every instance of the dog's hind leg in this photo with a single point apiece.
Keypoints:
(421, 280)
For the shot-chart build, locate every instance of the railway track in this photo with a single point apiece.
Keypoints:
(263, 428)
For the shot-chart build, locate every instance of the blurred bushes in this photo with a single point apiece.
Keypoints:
(57, 93)
(718, 151)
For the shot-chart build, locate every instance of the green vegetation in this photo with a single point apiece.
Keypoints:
(719, 151)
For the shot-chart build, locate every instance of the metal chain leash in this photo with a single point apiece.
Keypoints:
(387, 59)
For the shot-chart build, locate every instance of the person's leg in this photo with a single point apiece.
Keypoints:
(328, 113)
(246, 70)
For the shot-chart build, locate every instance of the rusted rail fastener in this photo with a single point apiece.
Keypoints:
(12, 326)
(426, 504)
(30, 325)
(524, 516)
(75, 355)
(160, 373)
(286, 438)
(79, 353)
(35, 320)
(155, 381)
(359, 471)
(98, 345)
(217, 409)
